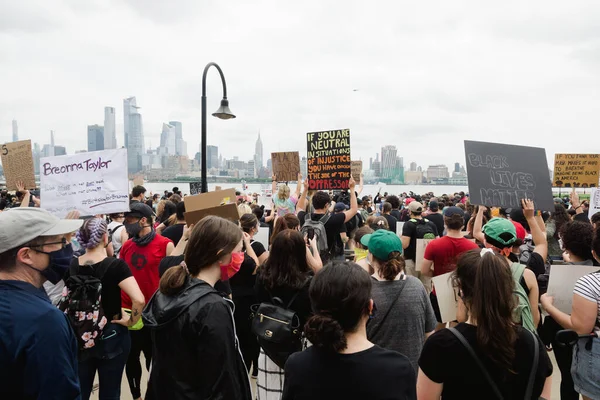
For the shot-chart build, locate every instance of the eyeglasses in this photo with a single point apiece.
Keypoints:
(63, 242)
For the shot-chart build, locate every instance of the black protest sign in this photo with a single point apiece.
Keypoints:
(286, 165)
(195, 187)
(328, 161)
(501, 175)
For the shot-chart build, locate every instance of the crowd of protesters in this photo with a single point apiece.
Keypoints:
(88, 295)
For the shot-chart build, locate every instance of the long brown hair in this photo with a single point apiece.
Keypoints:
(288, 221)
(210, 239)
(486, 285)
(286, 265)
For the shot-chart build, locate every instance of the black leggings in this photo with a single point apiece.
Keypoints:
(141, 341)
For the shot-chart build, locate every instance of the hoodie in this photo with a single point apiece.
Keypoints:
(195, 349)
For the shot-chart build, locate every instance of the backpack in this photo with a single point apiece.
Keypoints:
(424, 230)
(278, 328)
(526, 249)
(82, 304)
(522, 312)
(316, 229)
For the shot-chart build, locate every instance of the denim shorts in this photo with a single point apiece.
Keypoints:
(585, 368)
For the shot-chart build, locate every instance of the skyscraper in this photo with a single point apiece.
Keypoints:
(95, 136)
(134, 135)
(15, 131)
(388, 161)
(413, 166)
(180, 144)
(168, 141)
(110, 134)
(212, 157)
(258, 153)
(456, 167)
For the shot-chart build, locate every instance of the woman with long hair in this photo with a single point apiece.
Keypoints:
(196, 352)
(502, 362)
(176, 224)
(554, 228)
(285, 274)
(167, 217)
(288, 221)
(343, 363)
(109, 355)
(285, 203)
(405, 316)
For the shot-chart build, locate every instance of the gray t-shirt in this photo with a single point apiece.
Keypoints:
(407, 323)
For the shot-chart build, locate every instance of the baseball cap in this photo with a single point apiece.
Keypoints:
(340, 207)
(381, 243)
(434, 205)
(415, 206)
(500, 232)
(139, 210)
(23, 224)
(521, 232)
(451, 211)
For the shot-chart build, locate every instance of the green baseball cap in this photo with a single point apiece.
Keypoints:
(381, 243)
(501, 231)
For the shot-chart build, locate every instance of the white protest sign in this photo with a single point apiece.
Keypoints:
(446, 296)
(594, 203)
(263, 236)
(399, 226)
(91, 183)
(420, 254)
(562, 282)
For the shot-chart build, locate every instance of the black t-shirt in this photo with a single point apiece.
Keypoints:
(301, 304)
(333, 227)
(392, 221)
(242, 283)
(258, 248)
(372, 374)
(438, 220)
(445, 360)
(174, 232)
(536, 264)
(117, 271)
(396, 214)
(172, 261)
(410, 229)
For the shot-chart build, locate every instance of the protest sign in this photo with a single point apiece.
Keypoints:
(195, 187)
(446, 296)
(217, 188)
(356, 168)
(328, 161)
(263, 236)
(576, 170)
(399, 227)
(17, 162)
(91, 183)
(286, 165)
(594, 203)
(210, 199)
(562, 282)
(420, 254)
(502, 175)
(227, 211)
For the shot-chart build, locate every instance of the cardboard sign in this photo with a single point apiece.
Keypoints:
(210, 199)
(594, 203)
(138, 181)
(227, 211)
(217, 188)
(420, 254)
(328, 163)
(356, 168)
(91, 183)
(399, 226)
(17, 161)
(447, 296)
(286, 165)
(263, 236)
(502, 175)
(576, 170)
(562, 282)
(195, 187)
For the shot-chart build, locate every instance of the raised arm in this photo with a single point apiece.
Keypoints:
(298, 185)
(302, 201)
(26, 193)
(537, 234)
(273, 185)
(478, 225)
(360, 184)
(353, 203)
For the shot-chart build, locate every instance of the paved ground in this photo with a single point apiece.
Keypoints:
(126, 395)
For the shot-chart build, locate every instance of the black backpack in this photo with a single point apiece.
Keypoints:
(82, 303)
(543, 279)
(278, 328)
(424, 229)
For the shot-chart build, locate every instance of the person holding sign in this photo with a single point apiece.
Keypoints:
(282, 200)
(487, 355)
(581, 243)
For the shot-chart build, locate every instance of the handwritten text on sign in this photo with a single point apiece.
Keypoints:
(17, 162)
(502, 175)
(576, 170)
(91, 183)
(286, 165)
(328, 161)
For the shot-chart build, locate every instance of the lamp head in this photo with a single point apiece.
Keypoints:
(224, 112)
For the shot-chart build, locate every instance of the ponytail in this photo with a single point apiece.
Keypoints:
(390, 269)
(173, 280)
(326, 333)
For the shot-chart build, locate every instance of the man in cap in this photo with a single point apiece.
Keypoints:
(415, 228)
(142, 252)
(38, 350)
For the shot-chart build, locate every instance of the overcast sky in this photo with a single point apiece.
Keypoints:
(429, 74)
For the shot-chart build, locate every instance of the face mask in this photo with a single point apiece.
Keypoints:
(133, 229)
(60, 260)
(229, 270)
(360, 254)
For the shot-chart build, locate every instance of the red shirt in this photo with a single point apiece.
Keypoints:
(444, 253)
(143, 262)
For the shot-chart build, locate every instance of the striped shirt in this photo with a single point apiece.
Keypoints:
(588, 287)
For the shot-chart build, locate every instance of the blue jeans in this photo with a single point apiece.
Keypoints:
(109, 361)
(585, 367)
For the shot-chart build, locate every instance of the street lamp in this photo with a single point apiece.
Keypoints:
(223, 113)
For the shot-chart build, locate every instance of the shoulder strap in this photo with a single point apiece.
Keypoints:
(517, 270)
(325, 218)
(112, 231)
(534, 367)
(484, 371)
(380, 324)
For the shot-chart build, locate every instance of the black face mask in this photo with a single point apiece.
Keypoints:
(60, 260)
(133, 229)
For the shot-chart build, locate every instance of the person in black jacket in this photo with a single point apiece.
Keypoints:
(196, 352)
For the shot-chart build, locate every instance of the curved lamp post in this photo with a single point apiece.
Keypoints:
(223, 113)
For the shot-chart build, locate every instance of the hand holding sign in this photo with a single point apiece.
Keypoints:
(352, 183)
(528, 208)
(575, 203)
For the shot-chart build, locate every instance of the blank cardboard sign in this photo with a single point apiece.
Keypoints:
(228, 211)
(446, 296)
(208, 200)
